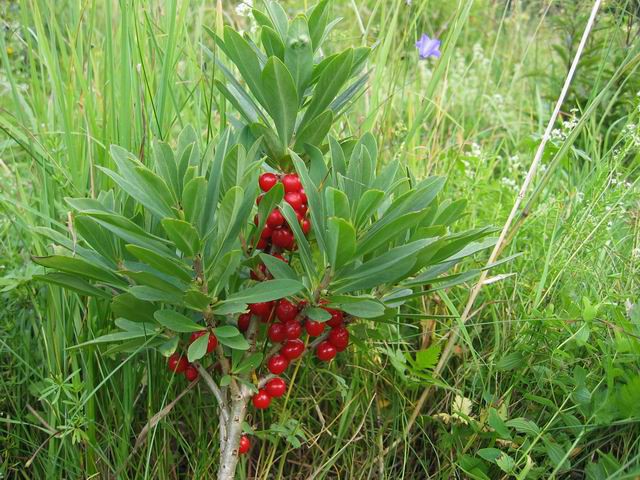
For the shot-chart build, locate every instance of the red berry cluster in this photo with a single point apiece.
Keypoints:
(179, 363)
(285, 333)
(277, 232)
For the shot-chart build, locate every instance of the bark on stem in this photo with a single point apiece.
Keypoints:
(229, 456)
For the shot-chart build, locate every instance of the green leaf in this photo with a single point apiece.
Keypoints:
(128, 231)
(278, 17)
(318, 23)
(278, 268)
(97, 237)
(177, 322)
(331, 80)
(226, 331)
(183, 235)
(165, 164)
(236, 343)
(498, 424)
(220, 272)
(317, 314)
(316, 207)
(383, 269)
(281, 98)
(342, 242)
(230, 308)
(193, 199)
(337, 203)
(523, 425)
(272, 43)
(506, 463)
(196, 300)
(510, 361)
(169, 347)
(114, 337)
(79, 266)
(130, 326)
(298, 56)
(162, 263)
(304, 248)
(427, 358)
(151, 294)
(198, 348)
(74, 283)
(139, 182)
(315, 131)
(245, 59)
(394, 230)
(248, 364)
(266, 291)
(489, 454)
(362, 307)
(268, 203)
(127, 306)
(369, 203)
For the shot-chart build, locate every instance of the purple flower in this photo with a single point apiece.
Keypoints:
(428, 47)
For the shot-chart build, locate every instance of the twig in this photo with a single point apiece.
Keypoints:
(455, 332)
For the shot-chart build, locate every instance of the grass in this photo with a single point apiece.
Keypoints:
(545, 381)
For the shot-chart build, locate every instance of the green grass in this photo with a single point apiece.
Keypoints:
(550, 359)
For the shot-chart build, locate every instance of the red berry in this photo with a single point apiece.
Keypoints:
(276, 387)
(292, 349)
(244, 445)
(313, 328)
(267, 181)
(243, 322)
(303, 209)
(262, 309)
(212, 343)
(277, 364)
(292, 330)
(275, 219)
(177, 363)
(325, 351)
(305, 224)
(291, 183)
(276, 333)
(261, 400)
(339, 338)
(262, 244)
(303, 195)
(336, 317)
(191, 373)
(266, 233)
(283, 238)
(259, 198)
(280, 257)
(294, 199)
(299, 216)
(286, 310)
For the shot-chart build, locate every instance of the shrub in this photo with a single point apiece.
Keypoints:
(236, 264)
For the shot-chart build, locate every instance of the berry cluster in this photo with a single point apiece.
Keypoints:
(178, 363)
(285, 319)
(277, 231)
(286, 325)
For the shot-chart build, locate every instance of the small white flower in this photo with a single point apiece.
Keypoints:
(243, 9)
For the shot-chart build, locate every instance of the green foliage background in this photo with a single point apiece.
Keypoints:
(546, 379)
